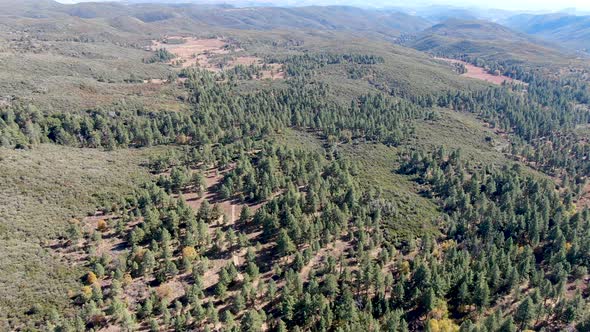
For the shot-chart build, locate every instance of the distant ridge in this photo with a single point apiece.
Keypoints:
(482, 38)
(569, 30)
(385, 23)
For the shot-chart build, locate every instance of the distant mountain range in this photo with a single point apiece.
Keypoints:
(443, 29)
(568, 30)
(383, 23)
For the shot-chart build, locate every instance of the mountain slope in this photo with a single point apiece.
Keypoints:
(483, 39)
(332, 18)
(568, 30)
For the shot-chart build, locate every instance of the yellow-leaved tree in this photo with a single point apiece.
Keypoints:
(442, 325)
(189, 252)
(91, 278)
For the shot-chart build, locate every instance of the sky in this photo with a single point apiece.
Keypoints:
(531, 5)
(526, 4)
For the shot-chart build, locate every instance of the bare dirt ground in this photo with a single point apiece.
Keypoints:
(230, 209)
(203, 53)
(481, 74)
(192, 51)
(157, 81)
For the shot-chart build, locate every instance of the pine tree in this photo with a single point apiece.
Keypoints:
(252, 322)
(482, 294)
(525, 312)
(285, 245)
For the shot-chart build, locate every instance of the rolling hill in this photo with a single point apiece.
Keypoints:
(329, 18)
(484, 39)
(568, 30)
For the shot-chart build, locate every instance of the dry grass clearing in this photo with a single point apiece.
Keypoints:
(187, 47)
(212, 54)
(192, 51)
(481, 74)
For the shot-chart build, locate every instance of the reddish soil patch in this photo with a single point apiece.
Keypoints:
(203, 53)
(111, 328)
(192, 51)
(580, 285)
(481, 74)
(109, 243)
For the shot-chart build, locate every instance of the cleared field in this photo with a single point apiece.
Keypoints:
(481, 74)
(192, 51)
(212, 54)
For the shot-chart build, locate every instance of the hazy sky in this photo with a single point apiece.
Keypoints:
(498, 4)
(526, 4)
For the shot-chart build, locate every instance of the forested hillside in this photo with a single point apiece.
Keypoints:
(163, 174)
